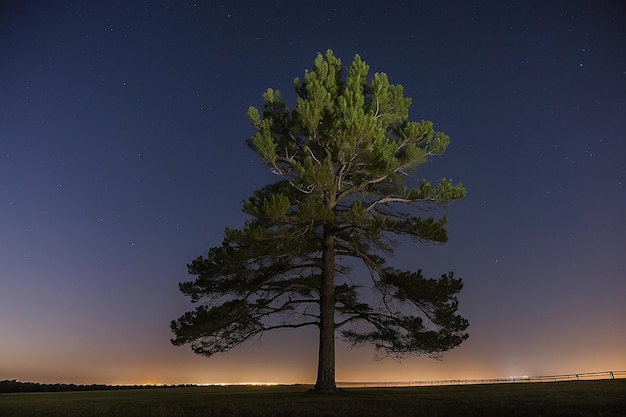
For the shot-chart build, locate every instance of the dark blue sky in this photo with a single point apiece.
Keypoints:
(123, 157)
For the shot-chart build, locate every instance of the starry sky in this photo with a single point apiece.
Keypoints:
(123, 157)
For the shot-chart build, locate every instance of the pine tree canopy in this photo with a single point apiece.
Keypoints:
(314, 249)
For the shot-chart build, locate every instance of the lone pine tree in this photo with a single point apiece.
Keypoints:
(342, 156)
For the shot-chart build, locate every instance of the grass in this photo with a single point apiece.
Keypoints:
(575, 398)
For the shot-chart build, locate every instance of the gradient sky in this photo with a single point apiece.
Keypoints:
(123, 157)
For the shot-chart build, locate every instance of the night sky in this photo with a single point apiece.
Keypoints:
(123, 157)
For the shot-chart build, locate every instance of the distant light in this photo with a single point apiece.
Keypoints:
(234, 384)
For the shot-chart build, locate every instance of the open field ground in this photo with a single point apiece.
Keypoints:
(575, 398)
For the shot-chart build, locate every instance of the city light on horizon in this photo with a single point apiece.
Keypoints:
(272, 366)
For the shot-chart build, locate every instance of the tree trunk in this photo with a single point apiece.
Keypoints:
(326, 360)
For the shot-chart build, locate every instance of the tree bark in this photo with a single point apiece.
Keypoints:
(326, 360)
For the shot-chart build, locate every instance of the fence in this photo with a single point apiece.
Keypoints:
(586, 376)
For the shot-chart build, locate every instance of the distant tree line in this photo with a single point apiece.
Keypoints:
(18, 386)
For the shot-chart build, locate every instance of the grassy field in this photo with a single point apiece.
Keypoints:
(576, 398)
